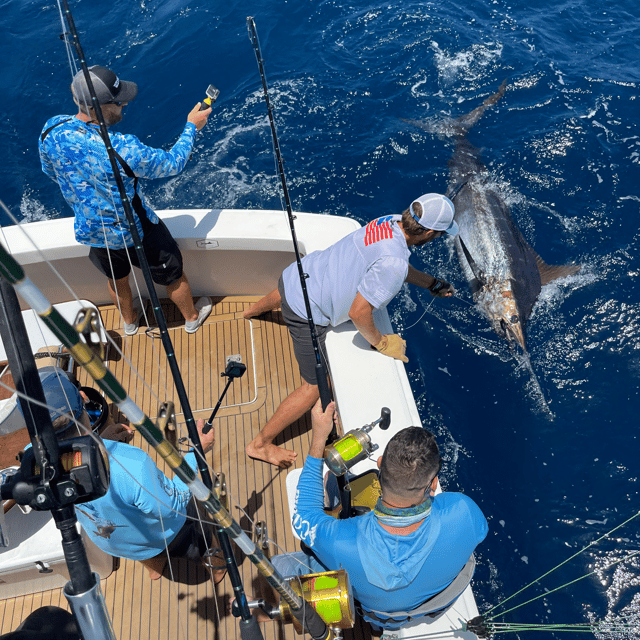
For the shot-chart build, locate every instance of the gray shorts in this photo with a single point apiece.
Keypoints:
(301, 338)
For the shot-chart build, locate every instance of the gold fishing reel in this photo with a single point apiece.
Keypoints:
(329, 593)
(354, 446)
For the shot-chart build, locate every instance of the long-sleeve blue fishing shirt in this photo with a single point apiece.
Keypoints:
(74, 155)
(142, 511)
(389, 572)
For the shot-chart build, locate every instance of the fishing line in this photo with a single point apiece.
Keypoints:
(422, 316)
(74, 70)
(546, 593)
(110, 340)
(463, 300)
(89, 432)
(126, 204)
(429, 307)
(134, 370)
(128, 211)
(112, 343)
(575, 555)
(598, 627)
(271, 540)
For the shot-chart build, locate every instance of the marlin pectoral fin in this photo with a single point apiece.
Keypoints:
(548, 272)
(478, 274)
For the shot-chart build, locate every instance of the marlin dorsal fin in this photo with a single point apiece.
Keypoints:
(548, 272)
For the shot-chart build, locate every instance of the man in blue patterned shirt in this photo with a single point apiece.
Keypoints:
(73, 154)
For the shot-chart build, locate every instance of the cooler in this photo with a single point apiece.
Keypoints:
(34, 560)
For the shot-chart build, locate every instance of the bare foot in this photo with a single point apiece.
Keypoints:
(272, 454)
(155, 566)
(218, 575)
(153, 574)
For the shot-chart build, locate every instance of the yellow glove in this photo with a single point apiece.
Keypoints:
(394, 346)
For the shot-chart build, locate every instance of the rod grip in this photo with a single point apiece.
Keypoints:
(323, 386)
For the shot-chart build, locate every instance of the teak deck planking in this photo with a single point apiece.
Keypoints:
(185, 604)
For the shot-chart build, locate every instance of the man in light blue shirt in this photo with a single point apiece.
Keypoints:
(73, 153)
(144, 515)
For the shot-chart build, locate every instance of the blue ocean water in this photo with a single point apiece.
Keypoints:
(553, 467)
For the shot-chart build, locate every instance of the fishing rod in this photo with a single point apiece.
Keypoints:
(144, 265)
(212, 94)
(51, 488)
(321, 372)
(91, 361)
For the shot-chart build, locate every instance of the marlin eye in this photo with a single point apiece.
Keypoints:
(515, 319)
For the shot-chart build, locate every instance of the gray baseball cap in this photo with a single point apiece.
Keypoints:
(107, 85)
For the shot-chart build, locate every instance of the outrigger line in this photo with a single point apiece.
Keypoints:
(13, 273)
(484, 626)
(321, 372)
(192, 429)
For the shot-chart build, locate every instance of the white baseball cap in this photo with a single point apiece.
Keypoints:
(437, 213)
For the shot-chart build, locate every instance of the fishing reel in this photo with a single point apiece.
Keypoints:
(329, 593)
(85, 476)
(354, 446)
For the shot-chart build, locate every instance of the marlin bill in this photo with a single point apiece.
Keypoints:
(505, 273)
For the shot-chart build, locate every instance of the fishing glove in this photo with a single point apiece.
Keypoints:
(392, 345)
(441, 288)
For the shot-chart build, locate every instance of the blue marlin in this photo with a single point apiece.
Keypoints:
(504, 271)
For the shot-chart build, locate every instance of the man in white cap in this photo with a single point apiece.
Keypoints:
(347, 281)
(73, 154)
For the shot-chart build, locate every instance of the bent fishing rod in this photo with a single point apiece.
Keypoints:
(321, 371)
(192, 429)
(91, 361)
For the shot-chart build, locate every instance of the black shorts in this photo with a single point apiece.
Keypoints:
(161, 250)
(195, 537)
(301, 339)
